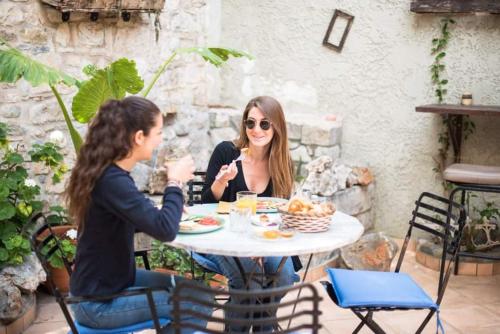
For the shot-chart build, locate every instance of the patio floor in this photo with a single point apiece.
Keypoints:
(470, 305)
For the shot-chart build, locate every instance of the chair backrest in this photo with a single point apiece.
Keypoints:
(194, 188)
(45, 244)
(444, 220)
(257, 308)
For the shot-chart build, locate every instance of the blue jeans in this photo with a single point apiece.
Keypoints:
(124, 311)
(226, 266)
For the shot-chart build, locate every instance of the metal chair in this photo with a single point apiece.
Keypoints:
(195, 187)
(45, 244)
(472, 178)
(367, 292)
(246, 313)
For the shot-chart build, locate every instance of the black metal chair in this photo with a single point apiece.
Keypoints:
(306, 317)
(367, 292)
(472, 178)
(45, 244)
(194, 188)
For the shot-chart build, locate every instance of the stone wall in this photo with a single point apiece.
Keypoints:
(375, 83)
(185, 90)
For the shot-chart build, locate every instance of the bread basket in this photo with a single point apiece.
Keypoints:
(306, 222)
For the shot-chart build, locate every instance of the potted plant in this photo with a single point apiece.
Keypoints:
(176, 261)
(66, 235)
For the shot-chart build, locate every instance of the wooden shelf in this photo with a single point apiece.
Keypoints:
(455, 6)
(458, 109)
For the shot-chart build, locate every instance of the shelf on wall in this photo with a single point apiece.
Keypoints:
(458, 109)
(455, 6)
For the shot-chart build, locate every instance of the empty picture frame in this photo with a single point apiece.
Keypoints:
(338, 29)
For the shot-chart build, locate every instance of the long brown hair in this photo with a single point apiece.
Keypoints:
(280, 163)
(109, 139)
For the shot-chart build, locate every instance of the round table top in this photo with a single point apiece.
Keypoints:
(343, 231)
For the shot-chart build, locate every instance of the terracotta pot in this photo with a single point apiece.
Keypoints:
(59, 276)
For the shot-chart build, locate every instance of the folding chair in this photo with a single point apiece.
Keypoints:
(366, 292)
(46, 247)
(195, 187)
(306, 317)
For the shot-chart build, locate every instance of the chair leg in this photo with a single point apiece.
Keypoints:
(425, 322)
(368, 321)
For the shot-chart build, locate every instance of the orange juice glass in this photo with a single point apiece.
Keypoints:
(247, 199)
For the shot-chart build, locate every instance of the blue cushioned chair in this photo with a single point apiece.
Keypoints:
(366, 292)
(40, 243)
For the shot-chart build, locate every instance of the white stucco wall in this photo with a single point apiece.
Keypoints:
(374, 84)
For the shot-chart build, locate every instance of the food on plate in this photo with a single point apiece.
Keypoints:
(267, 205)
(304, 206)
(286, 233)
(199, 223)
(189, 226)
(264, 218)
(223, 207)
(272, 234)
(208, 221)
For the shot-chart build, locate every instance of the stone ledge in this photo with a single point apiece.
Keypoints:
(467, 266)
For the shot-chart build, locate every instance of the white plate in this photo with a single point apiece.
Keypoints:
(273, 223)
(191, 227)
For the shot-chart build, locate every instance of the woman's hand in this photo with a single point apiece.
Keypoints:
(227, 172)
(181, 170)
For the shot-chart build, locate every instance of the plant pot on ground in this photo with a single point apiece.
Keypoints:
(66, 236)
(176, 261)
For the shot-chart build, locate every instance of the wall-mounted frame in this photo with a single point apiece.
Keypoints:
(338, 29)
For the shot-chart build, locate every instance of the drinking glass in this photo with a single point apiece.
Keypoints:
(247, 199)
(239, 219)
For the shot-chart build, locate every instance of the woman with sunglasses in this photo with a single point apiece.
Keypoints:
(266, 170)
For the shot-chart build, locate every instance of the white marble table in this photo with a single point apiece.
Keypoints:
(343, 231)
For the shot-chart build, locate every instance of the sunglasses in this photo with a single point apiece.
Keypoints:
(264, 124)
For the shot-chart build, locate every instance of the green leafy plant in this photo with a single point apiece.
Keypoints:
(58, 216)
(67, 249)
(19, 195)
(113, 81)
(168, 257)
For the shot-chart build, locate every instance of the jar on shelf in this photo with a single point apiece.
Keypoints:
(466, 99)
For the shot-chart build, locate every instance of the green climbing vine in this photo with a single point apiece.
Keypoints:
(439, 45)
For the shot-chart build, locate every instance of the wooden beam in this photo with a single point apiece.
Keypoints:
(455, 6)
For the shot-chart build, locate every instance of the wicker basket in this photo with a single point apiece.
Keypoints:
(304, 222)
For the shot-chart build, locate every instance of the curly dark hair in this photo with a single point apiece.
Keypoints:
(109, 139)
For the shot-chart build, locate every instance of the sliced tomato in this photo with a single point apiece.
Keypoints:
(208, 221)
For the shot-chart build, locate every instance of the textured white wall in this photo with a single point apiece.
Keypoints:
(374, 84)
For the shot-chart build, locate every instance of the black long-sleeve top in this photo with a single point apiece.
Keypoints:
(224, 153)
(104, 262)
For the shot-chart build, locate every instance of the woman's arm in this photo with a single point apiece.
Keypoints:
(120, 196)
(221, 158)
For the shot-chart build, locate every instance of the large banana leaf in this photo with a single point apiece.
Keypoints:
(114, 81)
(15, 65)
(215, 56)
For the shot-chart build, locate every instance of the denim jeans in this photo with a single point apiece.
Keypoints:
(226, 266)
(124, 311)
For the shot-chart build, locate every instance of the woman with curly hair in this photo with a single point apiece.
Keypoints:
(108, 208)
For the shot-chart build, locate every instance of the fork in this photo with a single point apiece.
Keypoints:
(241, 157)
